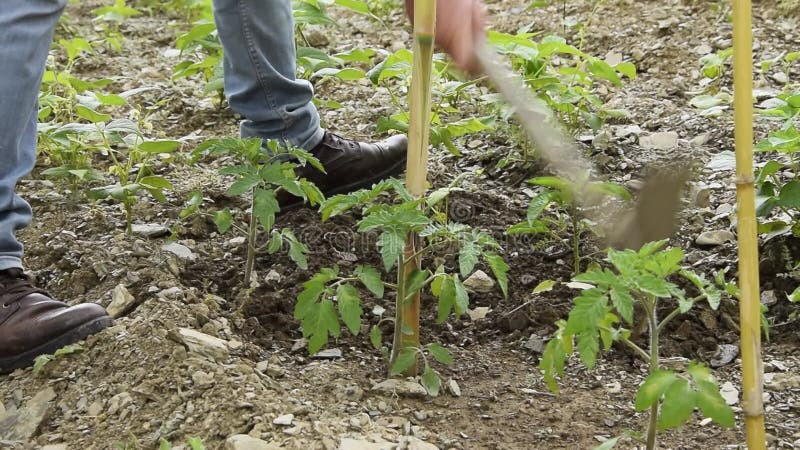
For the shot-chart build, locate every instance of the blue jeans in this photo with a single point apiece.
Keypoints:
(258, 39)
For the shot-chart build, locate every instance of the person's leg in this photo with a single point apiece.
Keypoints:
(260, 84)
(26, 31)
(31, 322)
(260, 67)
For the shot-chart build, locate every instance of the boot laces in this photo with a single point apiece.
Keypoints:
(15, 285)
(340, 142)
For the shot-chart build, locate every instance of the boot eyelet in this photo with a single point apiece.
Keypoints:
(5, 306)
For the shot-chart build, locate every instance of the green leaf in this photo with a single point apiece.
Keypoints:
(91, 115)
(159, 146)
(447, 299)
(349, 307)
(195, 443)
(371, 279)
(415, 281)
(699, 372)
(462, 297)
(552, 362)
(679, 402)
(223, 219)
(306, 299)
(538, 205)
(265, 206)
(588, 347)
(431, 381)
(242, 185)
(110, 99)
(653, 388)
(603, 70)
(623, 302)
(627, 69)
(653, 285)
(164, 444)
(297, 250)
(391, 243)
(156, 182)
(375, 337)
(441, 354)
(404, 361)
(713, 405)
(320, 322)
(499, 269)
(589, 310)
(544, 286)
(467, 258)
(790, 195)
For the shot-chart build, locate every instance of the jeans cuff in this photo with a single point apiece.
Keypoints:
(10, 262)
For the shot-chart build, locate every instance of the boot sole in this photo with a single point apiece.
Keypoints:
(396, 169)
(10, 364)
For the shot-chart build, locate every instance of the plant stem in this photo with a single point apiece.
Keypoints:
(576, 241)
(251, 245)
(399, 319)
(652, 318)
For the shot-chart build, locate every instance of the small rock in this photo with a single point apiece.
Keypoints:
(627, 130)
(55, 447)
(140, 249)
(701, 139)
(729, 393)
(181, 251)
(237, 241)
(393, 422)
(22, 424)
(724, 209)
(613, 58)
(726, 353)
(479, 282)
(714, 238)
(602, 141)
(420, 415)
(316, 38)
(273, 277)
(634, 185)
(768, 298)
(454, 388)
(701, 195)
(245, 442)
(780, 77)
(357, 444)
(262, 366)
(202, 379)
(403, 388)
(119, 402)
(284, 420)
(702, 50)
(121, 301)
(659, 141)
(418, 444)
(203, 344)
(478, 313)
(535, 344)
(95, 409)
(149, 230)
(330, 353)
(614, 387)
(784, 381)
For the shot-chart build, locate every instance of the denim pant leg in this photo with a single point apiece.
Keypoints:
(260, 68)
(26, 32)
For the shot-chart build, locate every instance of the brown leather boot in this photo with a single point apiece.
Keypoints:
(32, 323)
(350, 165)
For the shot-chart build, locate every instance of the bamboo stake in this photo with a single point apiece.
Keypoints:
(749, 303)
(406, 334)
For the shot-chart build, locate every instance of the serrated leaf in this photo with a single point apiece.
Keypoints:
(552, 363)
(538, 205)
(441, 354)
(371, 279)
(391, 243)
(713, 405)
(431, 381)
(462, 297)
(623, 302)
(404, 361)
(223, 220)
(319, 323)
(653, 388)
(467, 258)
(544, 286)
(699, 372)
(500, 270)
(589, 309)
(297, 250)
(679, 402)
(588, 347)
(242, 185)
(349, 305)
(375, 337)
(265, 206)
